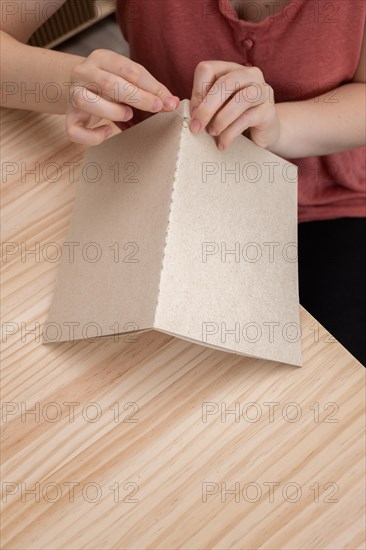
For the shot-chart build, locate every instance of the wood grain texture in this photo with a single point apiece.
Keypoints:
(160, 450)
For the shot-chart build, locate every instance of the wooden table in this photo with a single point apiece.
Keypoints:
(132, 444)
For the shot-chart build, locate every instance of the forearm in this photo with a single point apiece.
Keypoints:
(327, 124)
(33, 78)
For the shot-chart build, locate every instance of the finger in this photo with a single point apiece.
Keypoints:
(86, 100)
(205, 75)
(88, 136)
(225, 87)
(135, 74)
(254, 117)
(117, 89)
(248, 97)
(79, 128)
(177, 103)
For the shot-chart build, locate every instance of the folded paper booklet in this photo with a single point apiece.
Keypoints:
(169, 233)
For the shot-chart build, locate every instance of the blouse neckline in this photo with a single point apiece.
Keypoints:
(228, 10)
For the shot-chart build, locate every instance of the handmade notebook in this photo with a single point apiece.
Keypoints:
(169, 233)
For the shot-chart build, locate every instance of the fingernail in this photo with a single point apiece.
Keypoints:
(195, 126)
(128, 115)
(221, 146)
(170, 103)
(157, 105)
(108, 131)
(213, 131)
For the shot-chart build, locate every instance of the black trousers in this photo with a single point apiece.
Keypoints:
(332, 278)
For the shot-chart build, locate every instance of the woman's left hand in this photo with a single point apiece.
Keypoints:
(229, 99)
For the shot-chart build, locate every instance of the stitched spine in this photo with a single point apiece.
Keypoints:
(185, 124)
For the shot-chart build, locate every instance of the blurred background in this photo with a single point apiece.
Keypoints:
(81, 26)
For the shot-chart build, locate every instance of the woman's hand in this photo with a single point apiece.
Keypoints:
(229, 99)
(105, 86)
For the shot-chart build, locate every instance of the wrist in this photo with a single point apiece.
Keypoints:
(280, 145)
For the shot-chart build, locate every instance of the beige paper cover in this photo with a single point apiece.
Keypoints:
(183, 205)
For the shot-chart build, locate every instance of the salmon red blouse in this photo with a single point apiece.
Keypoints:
(308, 48)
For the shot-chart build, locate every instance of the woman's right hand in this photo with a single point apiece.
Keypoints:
(105, 86)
